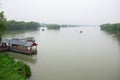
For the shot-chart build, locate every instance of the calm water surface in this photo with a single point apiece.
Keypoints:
(67, 54)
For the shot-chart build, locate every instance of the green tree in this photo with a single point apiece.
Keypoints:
(3, 24)
(21, 25)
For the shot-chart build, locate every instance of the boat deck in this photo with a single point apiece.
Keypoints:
(3, 48)
(26, 51)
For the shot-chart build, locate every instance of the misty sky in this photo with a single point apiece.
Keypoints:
(63, 11)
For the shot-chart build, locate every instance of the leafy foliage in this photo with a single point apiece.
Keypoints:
(21, 25)
(2, 23)
(27, 68)
(12, 70)
(112, 28)
(53, 26)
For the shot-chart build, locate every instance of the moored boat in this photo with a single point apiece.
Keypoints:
(24, 45)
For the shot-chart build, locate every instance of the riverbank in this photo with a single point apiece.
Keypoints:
(111, 28)
(13, 70)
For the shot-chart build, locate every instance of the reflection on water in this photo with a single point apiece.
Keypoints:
(116, 37)
(27, 58)
(15, 33)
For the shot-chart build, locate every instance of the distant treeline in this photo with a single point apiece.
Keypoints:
(112, 28)
(53, 26)
(69, 25)
(61, 25)
(21, 25)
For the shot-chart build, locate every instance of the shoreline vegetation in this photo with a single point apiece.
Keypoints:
(9, 68)
(53, 26)
(61, 25)
(111, 28)
(21, 25)
(13, 70)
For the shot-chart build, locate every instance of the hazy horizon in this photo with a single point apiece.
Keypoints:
(63, 11)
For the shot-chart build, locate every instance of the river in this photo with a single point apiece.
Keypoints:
(67, 54)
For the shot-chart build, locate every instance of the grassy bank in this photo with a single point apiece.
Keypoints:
(13, 70)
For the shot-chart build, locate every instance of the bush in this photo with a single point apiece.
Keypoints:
(28, 70)
(12, 70)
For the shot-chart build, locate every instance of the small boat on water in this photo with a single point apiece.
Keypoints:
(80, 31)
(23, 45)
(43, 29)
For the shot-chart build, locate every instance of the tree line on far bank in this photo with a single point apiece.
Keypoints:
(61, 25)
(53, 26)
(21, 25)
(111, 28)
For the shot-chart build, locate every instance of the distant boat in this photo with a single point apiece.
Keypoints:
(80, 31)
(43, 29)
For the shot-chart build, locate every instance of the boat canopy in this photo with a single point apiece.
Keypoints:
(17, 41)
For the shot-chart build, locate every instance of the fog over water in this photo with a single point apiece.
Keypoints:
(63, 11)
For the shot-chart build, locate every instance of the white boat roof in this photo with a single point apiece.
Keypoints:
(17, 41)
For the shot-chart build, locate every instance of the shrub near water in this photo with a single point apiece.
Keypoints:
(12, 70)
